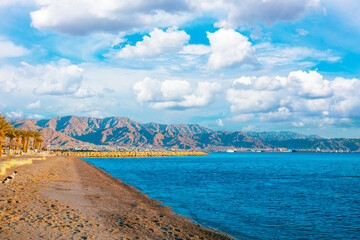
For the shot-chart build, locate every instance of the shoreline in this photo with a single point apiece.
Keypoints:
(67, 197)
(134, 154)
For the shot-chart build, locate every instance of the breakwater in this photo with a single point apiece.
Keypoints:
(134, 154)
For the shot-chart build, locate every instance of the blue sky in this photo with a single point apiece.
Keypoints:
(250, 65)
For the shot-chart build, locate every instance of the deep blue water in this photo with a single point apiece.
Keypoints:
(254, 195)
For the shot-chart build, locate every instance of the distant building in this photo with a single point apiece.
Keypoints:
(231, 150)
(283, 150)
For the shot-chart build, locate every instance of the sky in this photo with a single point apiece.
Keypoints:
(234, 65)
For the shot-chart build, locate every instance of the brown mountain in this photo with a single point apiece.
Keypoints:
(72, 131)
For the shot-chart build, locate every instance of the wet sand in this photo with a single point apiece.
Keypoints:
(68, 198)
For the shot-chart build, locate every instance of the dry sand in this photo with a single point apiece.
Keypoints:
(68, 198)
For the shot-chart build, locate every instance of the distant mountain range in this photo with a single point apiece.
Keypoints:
(72, 131)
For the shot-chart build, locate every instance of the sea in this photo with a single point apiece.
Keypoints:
(254, 195)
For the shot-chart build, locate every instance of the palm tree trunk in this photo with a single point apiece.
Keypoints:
(24, 144)
(27, 144)
(34, 144)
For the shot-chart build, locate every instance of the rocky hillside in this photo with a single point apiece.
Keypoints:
(282, 135)
(72, 131)
(119, 131)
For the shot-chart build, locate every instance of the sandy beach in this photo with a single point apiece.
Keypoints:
(68, 198)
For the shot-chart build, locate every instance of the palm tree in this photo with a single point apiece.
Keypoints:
(5, 127)
(39, 141)
(23, 141)
(36, 136)
(18, 134)
(11, 135)
(25, 137)
(30, 134)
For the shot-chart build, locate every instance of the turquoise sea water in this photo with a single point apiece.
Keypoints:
(254, 195)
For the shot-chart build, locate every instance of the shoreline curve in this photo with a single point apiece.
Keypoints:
(67, 197)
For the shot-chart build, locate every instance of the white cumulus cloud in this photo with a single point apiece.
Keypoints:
(174, 94)
(35, 116)
(84, 92)
(56, 79)
(300, 95)
(243, 118)
(9, 49)
(175, 89)
(230, 49)
(147, 90)
(159, 42)
(15, 114)
(250, 101)
(34, 105)
(8, 79)
(311, 84)
(79, 17)
(235, 13)
(8, 86)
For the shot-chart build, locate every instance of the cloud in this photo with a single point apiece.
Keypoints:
(250, 101)
(2, 107)
(147, 90)
(18, 114)
(175, 89)
(196, 49)
(80, 17)
(219, 122)
(250, 128)
(16, 2)
(243, 118)
(35, 116)
(280, 115)
(230, 49)
(8, 86)
(84, 92)
(159, 42)
(60, 78)
(251, 12)
(34, 105)
(9, 79)
(300, 95)
(54, 78)
(9, 49)
(281, 55)
(346, 100)
(346, 11)
(302, 32)
(174, 94)
(311, 84)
